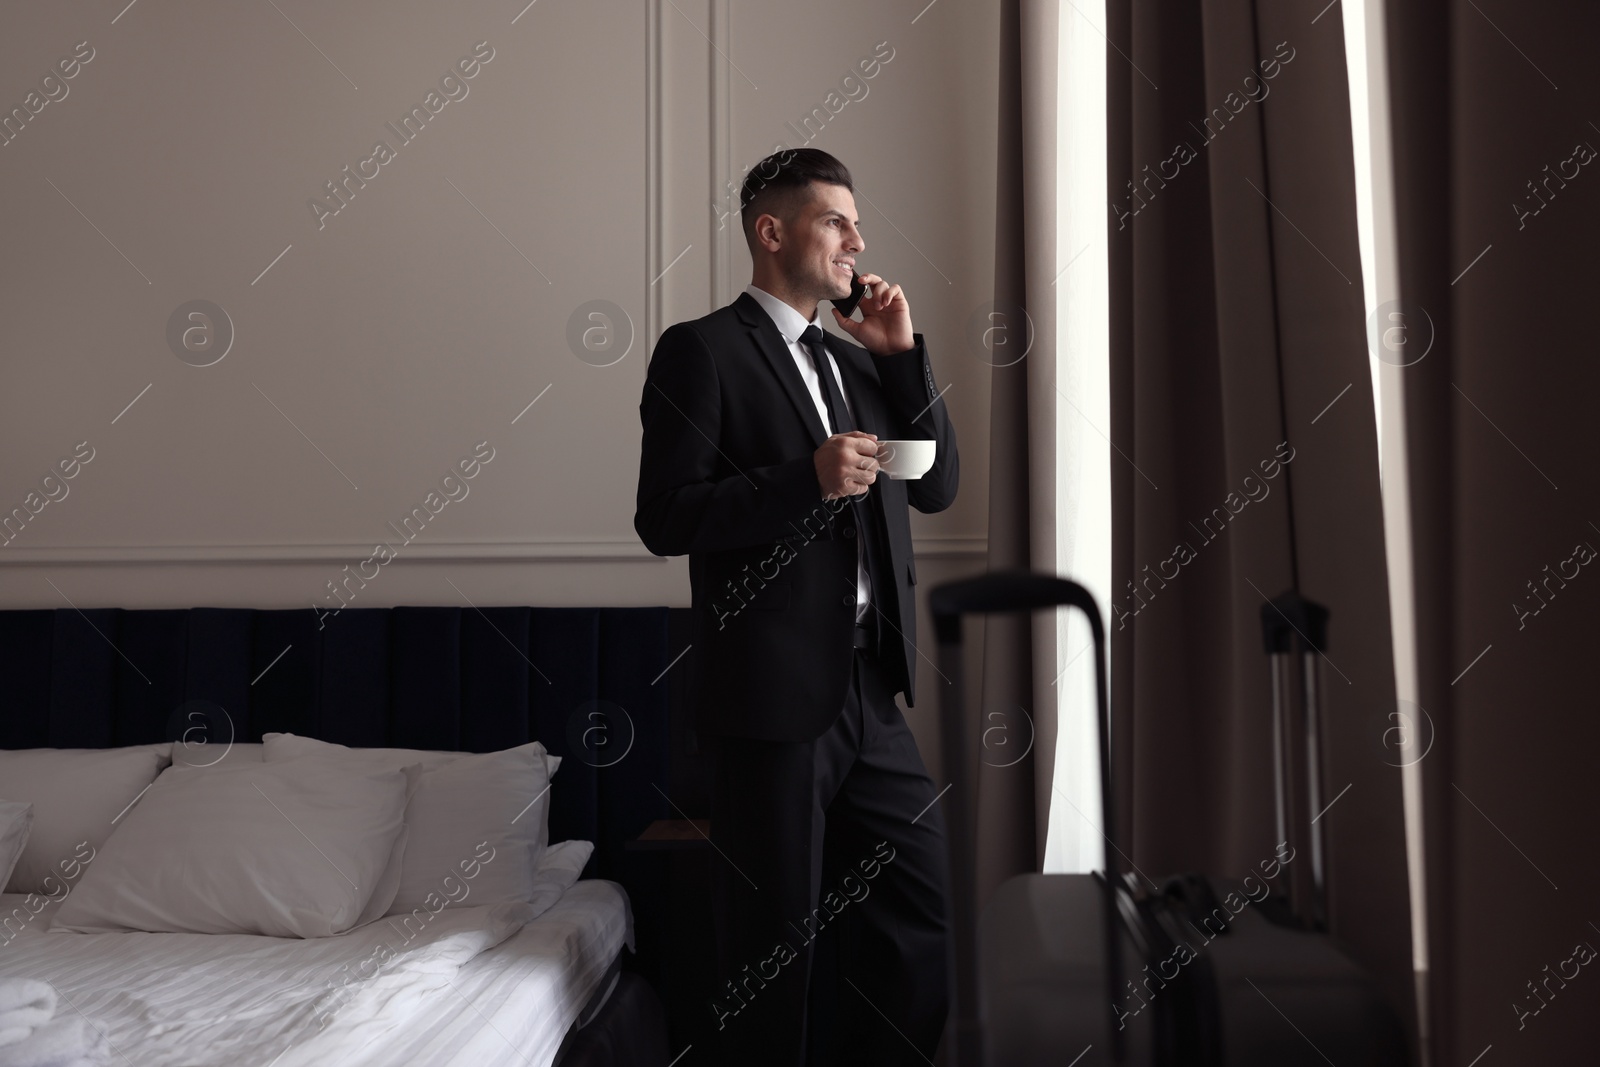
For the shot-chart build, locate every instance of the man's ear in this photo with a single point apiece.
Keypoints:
(769, 231)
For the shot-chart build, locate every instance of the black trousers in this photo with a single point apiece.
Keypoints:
(838, 837)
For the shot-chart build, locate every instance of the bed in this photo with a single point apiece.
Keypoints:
(476, 996)
(571, 978)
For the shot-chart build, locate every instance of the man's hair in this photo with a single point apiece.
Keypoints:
(779, 184)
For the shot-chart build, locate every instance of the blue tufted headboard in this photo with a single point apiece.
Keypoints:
(409, 677)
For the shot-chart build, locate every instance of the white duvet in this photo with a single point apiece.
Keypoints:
(238, 1000)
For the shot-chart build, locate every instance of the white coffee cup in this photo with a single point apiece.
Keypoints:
(903, 460)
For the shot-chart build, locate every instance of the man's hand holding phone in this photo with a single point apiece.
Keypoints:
(885, 326)
(847, 464)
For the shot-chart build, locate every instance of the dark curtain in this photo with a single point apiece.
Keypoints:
(1010, 813)
(1498, 199)
(1242, 410)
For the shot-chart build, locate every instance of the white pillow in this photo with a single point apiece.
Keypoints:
(558, 869)
(478, 823)
(293, 746)
(190, 757)
(215, 754)
(205, 757)
(16, 819)
(289, 849)
(289, 746)
(78, 795)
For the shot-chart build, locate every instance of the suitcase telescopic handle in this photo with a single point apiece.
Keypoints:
(1008, 591)
(1289, 622)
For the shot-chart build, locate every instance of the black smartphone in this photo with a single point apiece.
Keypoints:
(847, 306)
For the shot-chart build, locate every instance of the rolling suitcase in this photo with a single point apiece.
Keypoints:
(1082, 969)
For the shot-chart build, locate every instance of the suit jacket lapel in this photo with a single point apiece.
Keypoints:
(858, 387)
(765, 336)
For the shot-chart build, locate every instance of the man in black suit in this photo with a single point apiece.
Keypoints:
(760, 461)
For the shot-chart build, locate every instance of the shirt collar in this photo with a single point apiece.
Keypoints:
(784, 317)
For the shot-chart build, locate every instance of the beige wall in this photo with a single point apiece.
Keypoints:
(375, 347)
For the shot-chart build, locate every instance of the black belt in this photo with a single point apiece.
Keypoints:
(865, 638)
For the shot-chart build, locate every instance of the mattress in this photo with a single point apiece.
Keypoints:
(486, 986)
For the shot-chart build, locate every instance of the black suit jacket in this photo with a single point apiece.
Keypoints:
(726, 475)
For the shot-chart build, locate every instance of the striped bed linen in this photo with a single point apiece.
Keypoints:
(485, 986)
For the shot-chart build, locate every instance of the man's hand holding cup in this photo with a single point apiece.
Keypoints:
(847, 464)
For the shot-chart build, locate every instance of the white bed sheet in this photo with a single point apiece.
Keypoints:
(483, 986)
(513, 1004)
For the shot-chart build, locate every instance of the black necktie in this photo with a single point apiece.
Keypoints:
(866, 515)
(838, 414)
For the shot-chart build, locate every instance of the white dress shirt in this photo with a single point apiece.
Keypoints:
(791, 326)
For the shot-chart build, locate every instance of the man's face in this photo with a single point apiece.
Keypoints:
(821, 242)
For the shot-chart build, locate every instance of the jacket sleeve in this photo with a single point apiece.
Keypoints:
(692, 496)
(919, 413)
